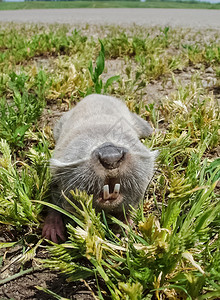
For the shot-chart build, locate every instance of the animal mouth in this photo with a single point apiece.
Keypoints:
(110, 191)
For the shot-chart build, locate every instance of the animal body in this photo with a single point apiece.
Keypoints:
(98, 150)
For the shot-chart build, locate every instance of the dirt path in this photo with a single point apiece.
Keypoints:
(196, 18)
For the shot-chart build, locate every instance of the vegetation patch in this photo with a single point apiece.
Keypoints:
(172, 250)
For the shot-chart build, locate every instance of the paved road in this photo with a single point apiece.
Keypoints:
(195, 18)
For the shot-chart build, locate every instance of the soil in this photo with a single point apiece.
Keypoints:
(24, 287)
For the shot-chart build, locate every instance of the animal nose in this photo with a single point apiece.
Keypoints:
(110, 156)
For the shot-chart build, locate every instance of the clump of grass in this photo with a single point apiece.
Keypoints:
(21, 182)
(191, 118)
(124, 45)
(208, 54)
(70, 76)
(27, 44)
(148, 52)
(194, 114)
(21, 106)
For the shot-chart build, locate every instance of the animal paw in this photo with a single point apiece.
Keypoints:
(54, 228)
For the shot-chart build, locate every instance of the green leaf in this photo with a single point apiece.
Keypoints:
(98, 87)
(20, 131)
(54, 295)
(100, 65)
(91, 69)
(110, 81)
(8, 245)
(59, 209)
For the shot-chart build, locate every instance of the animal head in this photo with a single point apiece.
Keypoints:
(117, 172)
(98, 150)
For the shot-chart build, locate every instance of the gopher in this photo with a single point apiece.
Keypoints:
(98, 150)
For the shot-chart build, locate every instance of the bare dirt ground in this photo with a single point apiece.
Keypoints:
(195, 18)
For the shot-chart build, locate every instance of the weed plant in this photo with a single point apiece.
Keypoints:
(21, 182)
(98, 86)
(172, 251)
(23, 106)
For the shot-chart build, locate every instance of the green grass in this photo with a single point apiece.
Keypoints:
(172, 252)
(107, 4)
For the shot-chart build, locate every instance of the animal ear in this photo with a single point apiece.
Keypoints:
(57, 130)
(142, 127)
